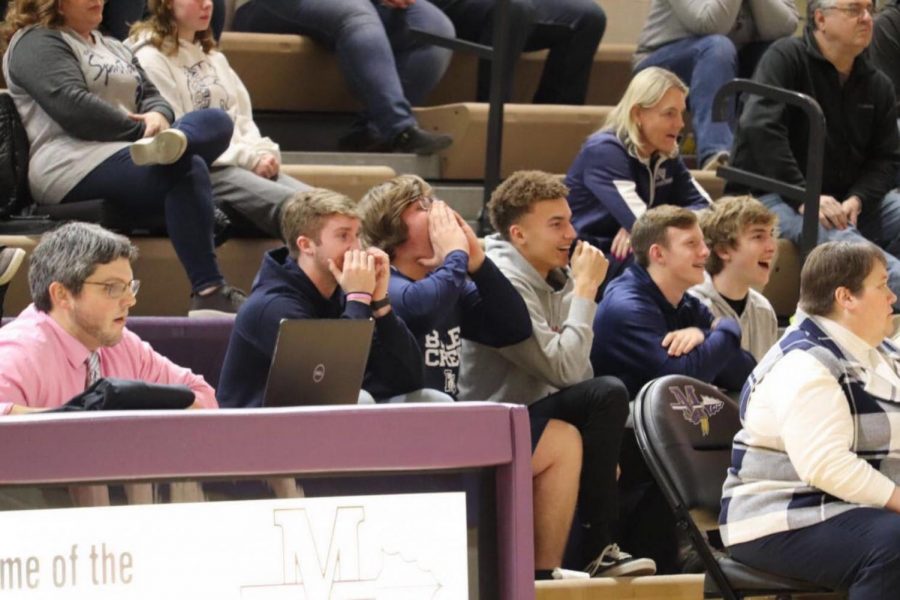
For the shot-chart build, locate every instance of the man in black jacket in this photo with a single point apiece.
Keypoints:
(861, 153)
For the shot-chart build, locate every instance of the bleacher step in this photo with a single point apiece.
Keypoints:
(658, 587)
(428, 167)
(464, 199)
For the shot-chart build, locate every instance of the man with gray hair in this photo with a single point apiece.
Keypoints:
(74, 333)
(862, 149)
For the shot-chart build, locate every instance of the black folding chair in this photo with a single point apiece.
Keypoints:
(684, 428)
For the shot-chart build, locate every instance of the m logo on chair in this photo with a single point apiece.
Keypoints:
(695, 410)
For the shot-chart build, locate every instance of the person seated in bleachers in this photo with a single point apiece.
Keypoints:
(386, 69)
(740, 234)
(812, 489)
(98, 128)
(321, 274)
(120, 15)
(885, 47)
(177, 51)
(861, 148)
(550, 372)
(630, 164)
(448, 291)
(570, 29)
(647, 324)
(10, 261)
(74, 333)
(442, 286)
(708, 43)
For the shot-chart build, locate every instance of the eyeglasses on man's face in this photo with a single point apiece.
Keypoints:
(854, 11)
(117, 289)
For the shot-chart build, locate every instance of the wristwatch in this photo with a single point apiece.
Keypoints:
(379, 304)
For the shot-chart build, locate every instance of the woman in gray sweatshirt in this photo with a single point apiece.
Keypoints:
(98, 128)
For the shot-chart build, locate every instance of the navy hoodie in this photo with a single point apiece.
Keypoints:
(447, 306)
(634, 317)
(283, 291)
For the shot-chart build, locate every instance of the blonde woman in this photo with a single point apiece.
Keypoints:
(175, 47)
(632, 164)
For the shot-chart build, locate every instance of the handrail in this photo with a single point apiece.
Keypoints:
(498, 54)
(809, 195)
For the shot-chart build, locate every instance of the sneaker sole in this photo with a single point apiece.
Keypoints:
(633, 568)
(207, 313)
(164, 148)
(13, 266)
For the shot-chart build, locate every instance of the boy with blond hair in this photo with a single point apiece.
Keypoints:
(740, 234)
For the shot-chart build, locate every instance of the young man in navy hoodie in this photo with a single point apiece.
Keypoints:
(322, 273)
(647, 325)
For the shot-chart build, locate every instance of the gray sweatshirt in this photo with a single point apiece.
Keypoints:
(759, 325)
(73, 97)
(556, 356)
(742, 21)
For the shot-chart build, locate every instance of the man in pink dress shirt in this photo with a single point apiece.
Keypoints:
(82, 287)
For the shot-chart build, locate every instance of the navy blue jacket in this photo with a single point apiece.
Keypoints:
(609, 188)
(283, 291)
(634, 317)
(447, 306)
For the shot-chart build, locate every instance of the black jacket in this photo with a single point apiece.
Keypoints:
(861, 146)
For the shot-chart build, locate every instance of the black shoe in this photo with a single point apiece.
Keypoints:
(612, 562)
(361, 140)
(224, 300)
(415, 140)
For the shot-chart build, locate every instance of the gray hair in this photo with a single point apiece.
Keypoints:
(646, 89)
(812, 6)
(71, 254)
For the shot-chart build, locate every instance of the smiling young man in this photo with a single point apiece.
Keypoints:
(648, 326)
(322, 273)
(550, 372)
(82, 288)
(861, 148)
(740, 233)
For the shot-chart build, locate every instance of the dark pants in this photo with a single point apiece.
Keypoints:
(598, 407)
(571, 29)
(385, 68)
(858, 551)
(182, 190)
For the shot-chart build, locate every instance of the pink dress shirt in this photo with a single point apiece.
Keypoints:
(43, 366)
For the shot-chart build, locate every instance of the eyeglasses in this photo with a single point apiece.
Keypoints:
(855, 11)
(116, 289)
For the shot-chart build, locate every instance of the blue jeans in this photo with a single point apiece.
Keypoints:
(880, 225)
(858, 550)
(705, 64)
(571, 29)
(385, 69)
(181, 189)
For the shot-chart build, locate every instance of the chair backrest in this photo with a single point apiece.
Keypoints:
(685, 428)
(15, 195)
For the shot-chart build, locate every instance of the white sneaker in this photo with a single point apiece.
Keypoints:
(612, 562)
(164, 148)
(719, 159)
(560, 573)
